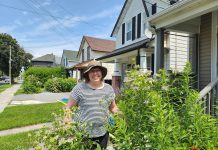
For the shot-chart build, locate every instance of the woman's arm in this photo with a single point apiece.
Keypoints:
(71, 103)
(113, 107)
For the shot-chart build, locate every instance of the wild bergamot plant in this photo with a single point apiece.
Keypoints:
(163, 113)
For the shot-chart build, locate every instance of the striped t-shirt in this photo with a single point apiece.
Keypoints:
(93, 107)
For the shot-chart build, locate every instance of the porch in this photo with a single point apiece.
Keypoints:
(198, 19)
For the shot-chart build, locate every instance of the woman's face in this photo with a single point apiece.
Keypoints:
(95, 75)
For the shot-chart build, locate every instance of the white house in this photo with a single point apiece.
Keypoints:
(69, 59)
(135, 47)
(92, 48)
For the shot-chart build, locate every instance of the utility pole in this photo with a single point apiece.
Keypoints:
(10, 64)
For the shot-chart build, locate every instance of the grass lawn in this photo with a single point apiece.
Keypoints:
(19, 141)
(18, 116)
(4, 87)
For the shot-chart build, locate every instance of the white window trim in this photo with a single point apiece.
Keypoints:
(129, 22)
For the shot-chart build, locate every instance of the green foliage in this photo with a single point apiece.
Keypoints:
(18, 55)
(63, 135)
(57, 85)
(162, 114)
(43, 73)
(32, 84)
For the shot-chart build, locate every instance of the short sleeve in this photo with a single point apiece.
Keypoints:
(76, 93)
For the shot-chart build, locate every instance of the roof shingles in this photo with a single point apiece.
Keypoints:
(102, 45)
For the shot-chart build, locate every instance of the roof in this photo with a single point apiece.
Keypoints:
(126, 49)
(183, 11)
(71, 55)
(82, 65)
(98, 44)
(46, 58)
(123, 10)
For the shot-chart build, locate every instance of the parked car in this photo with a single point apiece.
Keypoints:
(5, 79)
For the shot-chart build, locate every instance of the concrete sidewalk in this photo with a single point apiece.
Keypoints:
(45, 97)
(23, 129)
(7, 95)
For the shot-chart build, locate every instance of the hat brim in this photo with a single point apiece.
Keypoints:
(103, 70)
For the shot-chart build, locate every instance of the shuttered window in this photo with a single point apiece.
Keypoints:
(133, 28)
(139, 25)
(123, 33)
(154, 8)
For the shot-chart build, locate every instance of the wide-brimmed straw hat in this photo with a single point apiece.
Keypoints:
(96, 64)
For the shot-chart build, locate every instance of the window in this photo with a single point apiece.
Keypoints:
(154, 8)
(129, 31)
(88, 53)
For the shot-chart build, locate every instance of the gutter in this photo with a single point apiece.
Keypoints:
(173, 7)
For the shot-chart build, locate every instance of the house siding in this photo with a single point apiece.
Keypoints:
(205, 50)
(179, 49)
(136, 7)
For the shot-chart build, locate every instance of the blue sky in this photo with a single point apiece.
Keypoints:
(49, 26)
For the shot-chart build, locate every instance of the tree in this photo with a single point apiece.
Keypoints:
(18, 55)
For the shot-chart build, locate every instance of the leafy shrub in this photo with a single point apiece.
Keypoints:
(162, 114)
(31, 84)
(63, 135)
(43, 73)
(57, 85)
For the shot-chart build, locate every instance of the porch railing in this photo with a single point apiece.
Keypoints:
(210, 96)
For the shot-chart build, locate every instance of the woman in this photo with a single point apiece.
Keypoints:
(94, 99)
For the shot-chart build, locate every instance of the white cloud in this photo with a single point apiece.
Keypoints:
(7, 29)
(70, 22)
(39, 49)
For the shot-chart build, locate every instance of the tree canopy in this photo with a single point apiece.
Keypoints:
(18, 55)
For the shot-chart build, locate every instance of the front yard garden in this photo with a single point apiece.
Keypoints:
(162, 114)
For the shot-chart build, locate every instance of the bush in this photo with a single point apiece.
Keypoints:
(63, 136)
(31, 85)
(57, 85)
(43, 73)
(162, 114)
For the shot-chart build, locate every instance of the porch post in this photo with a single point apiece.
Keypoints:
(116, 76)
(214, 46)
(159, 50)
(143, 60)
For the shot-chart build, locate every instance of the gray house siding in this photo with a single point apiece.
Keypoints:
(205, 50)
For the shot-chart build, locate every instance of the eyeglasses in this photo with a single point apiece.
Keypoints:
(95, 70)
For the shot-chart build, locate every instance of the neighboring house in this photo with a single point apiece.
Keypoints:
(198, 18)
(48, 60)
(134, 47)
(68, 60)
(92, 48)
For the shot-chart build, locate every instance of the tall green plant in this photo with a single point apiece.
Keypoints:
(43, 73)
(162, 113)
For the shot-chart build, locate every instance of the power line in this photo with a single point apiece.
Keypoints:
(33, 12)
(67, 11)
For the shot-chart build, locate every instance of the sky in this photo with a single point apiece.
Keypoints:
(49, 26)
